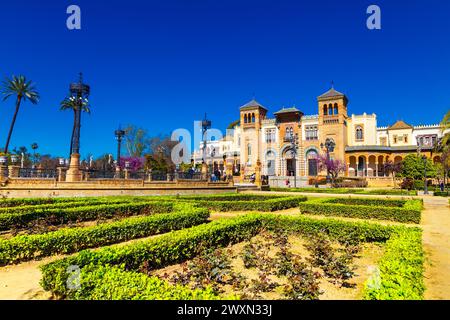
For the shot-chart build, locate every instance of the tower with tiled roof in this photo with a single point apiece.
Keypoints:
(333, 116)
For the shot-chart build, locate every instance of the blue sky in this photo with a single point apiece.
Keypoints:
(163, 64)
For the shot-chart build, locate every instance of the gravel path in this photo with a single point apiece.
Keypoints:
(436, 243)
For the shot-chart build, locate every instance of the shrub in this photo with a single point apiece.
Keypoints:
(64, 204)
(400, 269)
(349, 191)
(68, 240)
(84, 213)
(113, 283)
(276, 204)
(14, 202)
(365, 209)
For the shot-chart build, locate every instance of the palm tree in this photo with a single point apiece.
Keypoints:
(71, 103)
(34, 146)
(445, 123)
(24, 90)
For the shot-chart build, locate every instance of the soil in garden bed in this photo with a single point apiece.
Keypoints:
(271, 266)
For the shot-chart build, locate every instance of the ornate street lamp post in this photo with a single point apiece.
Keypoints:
(119, 133)
(79, 92)
(329, 145)
(293, 139)
(206, 124)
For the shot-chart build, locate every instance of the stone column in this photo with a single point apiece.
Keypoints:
(61, 173)
(258, 173)
(74, 173)
(117, 173)
(127, 173)
(204, 171)
(149, 175)
(357, 168)
(3, 172)
(13, 171)
(376, 169)
(229, 171)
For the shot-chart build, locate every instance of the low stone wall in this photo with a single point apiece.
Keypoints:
(33, 188)
(382, 182)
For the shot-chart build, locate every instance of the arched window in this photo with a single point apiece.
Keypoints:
(336, 109)
(359, 133)
(253, 117)
(245, 118)
(325, 110)
(330, 109)
(249, 149)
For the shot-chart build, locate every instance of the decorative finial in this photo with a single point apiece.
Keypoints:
(81, 77)
(332, 84)
(253, 96)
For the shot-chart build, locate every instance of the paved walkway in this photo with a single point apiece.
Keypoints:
(436, 243)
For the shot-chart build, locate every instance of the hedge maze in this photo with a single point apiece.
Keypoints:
(263, 253)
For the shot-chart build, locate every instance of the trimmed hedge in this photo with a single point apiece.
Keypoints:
(271, 204)
(401, 269)
(441, 193)
(14, 202)
(392, 192)
(377, 209)
(68, 240)
(231, 197)
(369, 202)
(181, 245)
(83, 213)
(112, 283)
(65, 204)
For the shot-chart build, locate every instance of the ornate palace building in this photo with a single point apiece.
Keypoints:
(290, 143)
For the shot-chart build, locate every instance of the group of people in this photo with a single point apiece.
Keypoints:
(218, 176)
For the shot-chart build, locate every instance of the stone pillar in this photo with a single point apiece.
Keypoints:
(229, 171)
(149, 175)
(13, 171)
(127, 173)
(3, 172)
(61, 173)
(117, 173)
(357, 168)
(74, 173)
(204, 171)
(376, 169)
(258, 173)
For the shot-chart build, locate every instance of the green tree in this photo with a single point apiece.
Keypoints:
(136, 141)
(23, 90)
(413, 167)
(70, 103)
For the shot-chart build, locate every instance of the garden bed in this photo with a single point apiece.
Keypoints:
(117, 272)
(407, 211)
